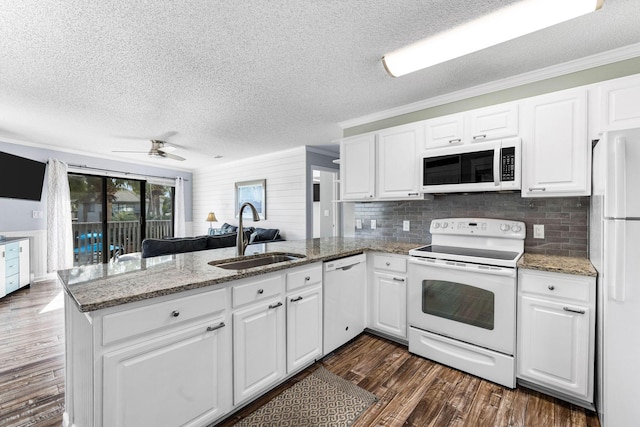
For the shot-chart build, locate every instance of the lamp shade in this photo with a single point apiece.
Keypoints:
(212, 217)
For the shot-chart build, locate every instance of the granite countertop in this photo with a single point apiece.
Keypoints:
(100, 286)
(557, 264)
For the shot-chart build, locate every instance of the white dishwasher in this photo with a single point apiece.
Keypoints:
(344, 296)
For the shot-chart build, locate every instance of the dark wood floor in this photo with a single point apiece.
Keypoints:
(412, 391)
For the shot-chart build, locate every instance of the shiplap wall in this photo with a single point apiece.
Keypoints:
(285, 172)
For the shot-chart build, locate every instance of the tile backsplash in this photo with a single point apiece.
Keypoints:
(565, 219)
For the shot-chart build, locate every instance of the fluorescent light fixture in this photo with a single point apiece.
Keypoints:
(505, 24)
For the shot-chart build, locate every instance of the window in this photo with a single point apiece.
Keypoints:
(111, 216)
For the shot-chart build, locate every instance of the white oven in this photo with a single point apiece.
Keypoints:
(462, 296)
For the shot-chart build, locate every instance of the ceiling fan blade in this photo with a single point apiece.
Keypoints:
(168, 148)
(167, 135)
(170, 156)
(124, 151)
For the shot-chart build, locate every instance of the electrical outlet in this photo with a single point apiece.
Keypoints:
(538, 231)
(406, 225)
(373, 224)
(359, 224)
(36, 214)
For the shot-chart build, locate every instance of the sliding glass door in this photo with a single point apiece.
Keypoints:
(111, 216)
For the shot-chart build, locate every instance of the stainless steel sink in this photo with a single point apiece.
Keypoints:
(256, 260)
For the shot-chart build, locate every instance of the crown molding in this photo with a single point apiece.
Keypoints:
(604, 58)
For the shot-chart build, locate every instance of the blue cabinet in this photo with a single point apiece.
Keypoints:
(14, 265)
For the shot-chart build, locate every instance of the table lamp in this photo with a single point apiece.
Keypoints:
(211, 218)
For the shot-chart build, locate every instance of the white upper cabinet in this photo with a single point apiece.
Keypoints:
(397, 172)
(496, 121)
(357, 168)
(482, 124)
(620, 105)
(444, 131)
(556, 150)
(382, 165)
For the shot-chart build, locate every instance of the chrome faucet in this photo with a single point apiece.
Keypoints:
(241, 243)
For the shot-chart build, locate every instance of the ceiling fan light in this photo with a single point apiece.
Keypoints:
(508, 23)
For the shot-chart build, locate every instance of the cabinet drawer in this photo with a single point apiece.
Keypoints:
(305, 277)
(381, 262)
(556, 285)
(12, 267)
(12, 283)
(11, 250)
(256, 291)
(146, 319)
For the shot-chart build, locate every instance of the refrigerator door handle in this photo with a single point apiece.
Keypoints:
(620, 175)
(617, 256)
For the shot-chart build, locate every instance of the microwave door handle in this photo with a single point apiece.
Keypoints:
(496, 165)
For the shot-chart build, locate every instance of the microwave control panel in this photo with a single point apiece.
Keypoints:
(508, 164)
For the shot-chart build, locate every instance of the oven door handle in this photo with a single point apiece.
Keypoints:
(461, 266)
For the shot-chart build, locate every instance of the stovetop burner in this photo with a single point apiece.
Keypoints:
(481, 241)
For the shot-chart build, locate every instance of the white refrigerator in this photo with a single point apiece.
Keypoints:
(615, 252)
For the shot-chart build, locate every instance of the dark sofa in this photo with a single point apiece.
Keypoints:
(157, 247)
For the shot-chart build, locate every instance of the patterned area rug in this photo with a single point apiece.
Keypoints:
(321, 399)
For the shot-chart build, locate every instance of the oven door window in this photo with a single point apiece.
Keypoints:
(459, 302)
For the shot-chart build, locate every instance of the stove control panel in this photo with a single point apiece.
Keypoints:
(487, 227)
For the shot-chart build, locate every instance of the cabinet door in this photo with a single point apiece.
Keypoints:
(304, 327)
(25, 269)
(258, 348)
(444, 131)
(150, 384)
(556, 155)
(357, 168)
(619, 103)
(553, 345)
(389, 304)
(397, 171)
(496, 121)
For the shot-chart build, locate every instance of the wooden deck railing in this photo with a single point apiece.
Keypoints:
(123, 237)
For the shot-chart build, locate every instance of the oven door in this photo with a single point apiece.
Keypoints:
(468, 302)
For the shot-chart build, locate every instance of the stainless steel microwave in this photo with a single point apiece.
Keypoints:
(483, 166)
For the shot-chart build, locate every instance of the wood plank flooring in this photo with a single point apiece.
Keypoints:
(32, 357)
(412, 391)
(416, 392)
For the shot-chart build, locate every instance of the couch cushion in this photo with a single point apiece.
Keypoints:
(228, 228)
(156, 247)
(264, 234)
(221, 241)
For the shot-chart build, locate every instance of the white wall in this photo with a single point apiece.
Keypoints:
(285, 172)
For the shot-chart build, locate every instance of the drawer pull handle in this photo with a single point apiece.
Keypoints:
(573, 310)
(275, 305)
(215, 328)
(296, 299)
(387, 263)
(551, 287)
(453, 141)
(307, 278)
(479, 136)
(413, 194)
(175, 313)
(537, 189)
(398, 279)
(260, 291)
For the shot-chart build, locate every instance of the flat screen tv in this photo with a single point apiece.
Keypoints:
(21, 178)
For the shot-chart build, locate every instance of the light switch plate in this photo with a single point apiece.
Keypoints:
(358, 224)
(538, 231)
(373, 224)
(406, 225)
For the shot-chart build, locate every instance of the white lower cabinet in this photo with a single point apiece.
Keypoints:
(388, 295)
(556, 330)
(304, 317)
(181, 379)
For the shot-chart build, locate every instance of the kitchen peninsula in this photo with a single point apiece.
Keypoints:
(149, 341)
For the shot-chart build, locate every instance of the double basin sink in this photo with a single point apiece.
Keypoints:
(258, 260)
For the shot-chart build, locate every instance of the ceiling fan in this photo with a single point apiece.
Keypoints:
(159, 150)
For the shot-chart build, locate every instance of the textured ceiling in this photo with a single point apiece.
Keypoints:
(242, 78)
